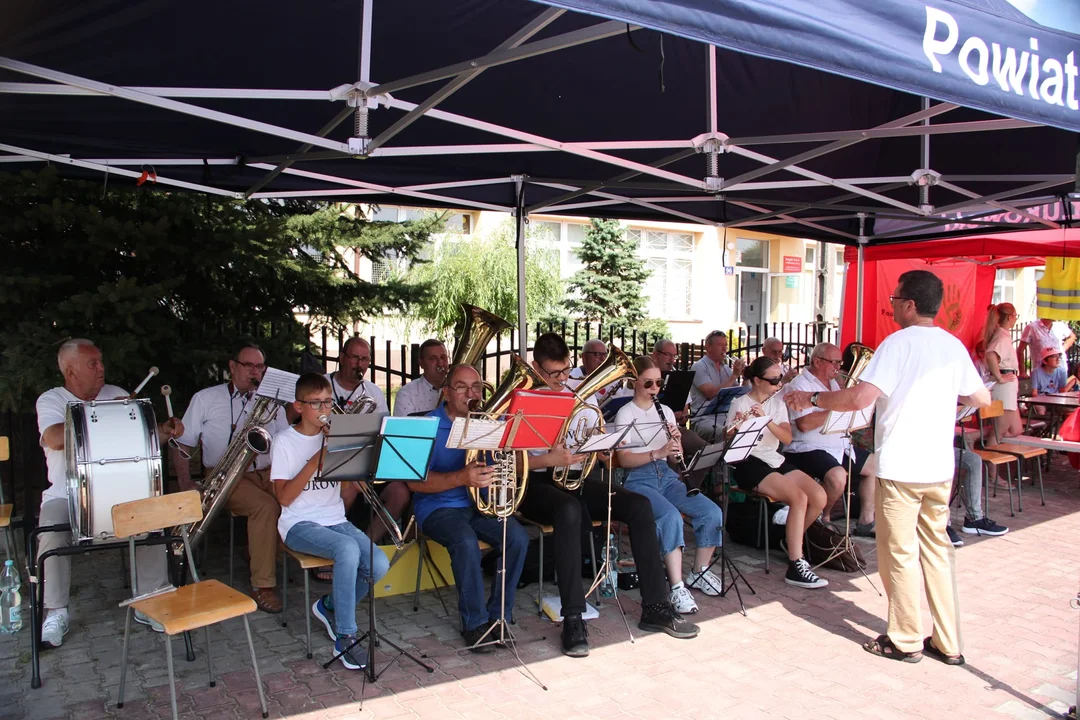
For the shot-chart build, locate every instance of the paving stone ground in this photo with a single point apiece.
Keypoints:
(796, 654)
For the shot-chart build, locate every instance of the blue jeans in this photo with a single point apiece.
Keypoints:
(658, 482)
(350, 549)
(458, 529)
(971, 467)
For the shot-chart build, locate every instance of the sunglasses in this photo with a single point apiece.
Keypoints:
(648, 384)
(772, 380)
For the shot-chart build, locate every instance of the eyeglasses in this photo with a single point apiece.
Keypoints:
(563, 372)
(249, 366)
(647, 384)
(595, 352)
(667, 354)
(836, 362)
(894, 298)
(317, 404)
(460, 389)
(359, 358)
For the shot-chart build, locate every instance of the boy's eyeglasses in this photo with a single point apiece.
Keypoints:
(317, 404)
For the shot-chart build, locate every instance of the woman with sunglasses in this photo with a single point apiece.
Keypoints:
(651, 476)
(770, 473)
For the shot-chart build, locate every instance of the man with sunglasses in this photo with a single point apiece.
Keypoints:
(571, 516)
(711, 375)
(826, 457)
(213, 417)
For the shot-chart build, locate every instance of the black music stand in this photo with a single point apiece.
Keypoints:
(717, 407)
(399, 451)
(676, 390)
(845, 423)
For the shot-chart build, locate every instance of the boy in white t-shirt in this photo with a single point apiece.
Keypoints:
(313, 516)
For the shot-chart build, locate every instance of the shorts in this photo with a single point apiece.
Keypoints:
(750, 472)
(816, 463)
(1006, 393)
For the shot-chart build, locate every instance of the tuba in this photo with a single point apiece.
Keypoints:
(511, 467)
(856, 357)
(617, 366)
(480, 327)
(250, 440)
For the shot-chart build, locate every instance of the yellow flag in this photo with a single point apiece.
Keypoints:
(1059, 290)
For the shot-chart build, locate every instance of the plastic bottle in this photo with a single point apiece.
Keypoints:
(10, 600)
(609, 583)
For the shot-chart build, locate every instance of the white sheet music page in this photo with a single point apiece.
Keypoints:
(746, 436)
(474, 434)
(838, 423)
(278, 384)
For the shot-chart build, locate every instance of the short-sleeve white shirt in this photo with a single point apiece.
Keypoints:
(344, 397)
(215, 414)
(647, 426)
(835, 445)
(416, 396)
(320, 501)
(920, 372)
(767, 449)
(52, 410)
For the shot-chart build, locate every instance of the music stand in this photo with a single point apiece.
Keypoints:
(845, 423)
(719, 405)
(399, 451)
(676, 390)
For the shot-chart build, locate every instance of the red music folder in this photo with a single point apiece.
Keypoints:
(535, 419)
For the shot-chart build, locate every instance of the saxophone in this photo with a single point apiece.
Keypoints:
(252, 439)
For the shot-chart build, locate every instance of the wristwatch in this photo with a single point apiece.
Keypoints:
(813, 399)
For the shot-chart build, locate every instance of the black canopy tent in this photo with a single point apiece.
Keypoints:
(515, 105)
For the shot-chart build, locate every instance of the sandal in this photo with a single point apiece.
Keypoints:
(266, 600)
(323, 575)
(882, 646)
(930, 649)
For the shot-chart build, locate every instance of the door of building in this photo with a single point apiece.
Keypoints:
(752, 302)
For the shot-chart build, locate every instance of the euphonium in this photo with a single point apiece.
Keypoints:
(512, 468)
(617, 366)
(856, 357)
(248, 441)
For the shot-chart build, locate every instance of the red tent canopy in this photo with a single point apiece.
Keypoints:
(1004, 250)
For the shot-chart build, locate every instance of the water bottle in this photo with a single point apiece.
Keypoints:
(611, 581)
(10, 600)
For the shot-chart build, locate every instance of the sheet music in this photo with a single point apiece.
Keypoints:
(746, 436)
(278, 384)
(839, 423)
(602, 442)
(474, 434)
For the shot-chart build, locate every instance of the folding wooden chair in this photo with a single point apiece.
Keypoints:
(1019, 452)
(179, 610)
(11, 548)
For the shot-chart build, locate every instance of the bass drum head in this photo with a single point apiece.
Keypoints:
(113, 457)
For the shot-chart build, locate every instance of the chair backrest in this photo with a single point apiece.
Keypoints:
(143, 516)
(993, 410)
(5, 448)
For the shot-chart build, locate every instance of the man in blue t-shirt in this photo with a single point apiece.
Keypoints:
(446, 514)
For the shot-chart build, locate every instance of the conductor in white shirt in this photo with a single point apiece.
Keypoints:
(421, 396)
(916, 377)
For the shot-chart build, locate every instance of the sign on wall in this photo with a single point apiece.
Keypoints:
(792, 264)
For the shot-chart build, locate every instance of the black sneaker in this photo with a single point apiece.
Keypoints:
(984, 526)
(954, 537)
(355, 658)
(799, 574)
(473, 636)
(575, 637)
(663, 618)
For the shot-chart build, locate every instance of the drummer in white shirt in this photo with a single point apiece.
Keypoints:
(348, 380)
(83, 369)
(421, 396)
(825, 457)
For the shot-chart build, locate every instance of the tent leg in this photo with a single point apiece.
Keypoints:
(859, 280)
(520, 216)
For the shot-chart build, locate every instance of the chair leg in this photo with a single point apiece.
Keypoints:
(421, 546)
(284, 589)
(209, 660)
(763, 527)
(123, 658)
(232, 540)
(1019, 484)
(1042, 495)
(1008, 470)
(172, 677)
(255, 667)
(307, 610)
(540, 586)
(592, 558)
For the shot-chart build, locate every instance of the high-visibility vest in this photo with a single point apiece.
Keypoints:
(1058, 294)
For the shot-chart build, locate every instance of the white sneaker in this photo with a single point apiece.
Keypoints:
(683, 601)
(54, 629)
(706, 582)
(141, 617)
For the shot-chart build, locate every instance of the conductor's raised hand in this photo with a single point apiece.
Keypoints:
(478, 475)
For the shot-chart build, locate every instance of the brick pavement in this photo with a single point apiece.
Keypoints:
(796, 655)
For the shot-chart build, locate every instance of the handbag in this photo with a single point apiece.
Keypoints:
(821, 541)
(1070, 430)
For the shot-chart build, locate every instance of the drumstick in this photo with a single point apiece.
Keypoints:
(167, 391)
(152, 373)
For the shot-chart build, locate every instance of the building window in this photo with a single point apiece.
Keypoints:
(379, 213)
(1005, 286)
(751, 253)
(840, 261)
(459, 223)
(811, 253)
(669, 258)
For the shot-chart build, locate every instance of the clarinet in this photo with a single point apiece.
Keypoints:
(679, 460)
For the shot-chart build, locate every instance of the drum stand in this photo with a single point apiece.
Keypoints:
(605, 567)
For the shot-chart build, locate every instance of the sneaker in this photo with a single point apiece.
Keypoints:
(799, 574)
(473, 636)
(354, 658)
(984, 526)
(706, 582)
(663, 617)
(575, 637)
(324, 614)
(683, 601)
(954, 537)
(54, 629)
(143, 618)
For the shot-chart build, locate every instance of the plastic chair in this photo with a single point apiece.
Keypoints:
(198, 605)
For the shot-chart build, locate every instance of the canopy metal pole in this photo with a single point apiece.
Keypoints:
(924, 149)
(859, 280)
(712, 158)
(519, 222)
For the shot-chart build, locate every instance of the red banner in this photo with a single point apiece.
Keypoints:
(969, 288)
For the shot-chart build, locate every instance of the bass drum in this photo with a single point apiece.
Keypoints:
(112, 457)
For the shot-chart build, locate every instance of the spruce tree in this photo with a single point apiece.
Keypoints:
(610, 286)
